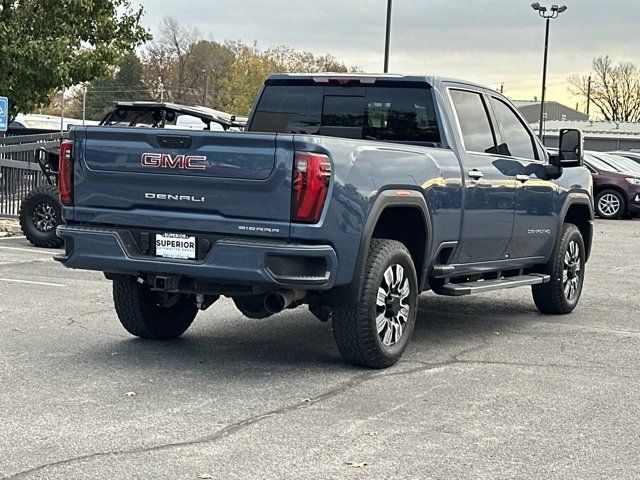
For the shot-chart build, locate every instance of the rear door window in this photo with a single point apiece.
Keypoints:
(473, 118)
(374, 113)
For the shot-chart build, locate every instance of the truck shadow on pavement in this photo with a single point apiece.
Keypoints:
(295, 340)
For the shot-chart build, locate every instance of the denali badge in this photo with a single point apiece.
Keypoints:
(168, 196)
(165, 160)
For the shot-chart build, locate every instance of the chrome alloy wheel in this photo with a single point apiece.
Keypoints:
(44, 217)
(609, 204)
(392, 305)
(571, 271)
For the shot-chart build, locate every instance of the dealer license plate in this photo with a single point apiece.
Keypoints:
(175, 245)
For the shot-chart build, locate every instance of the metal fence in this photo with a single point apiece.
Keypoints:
(22, 158)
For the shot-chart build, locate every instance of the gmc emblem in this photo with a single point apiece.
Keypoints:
(165, 160)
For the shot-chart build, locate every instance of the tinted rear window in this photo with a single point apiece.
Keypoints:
(371, 113)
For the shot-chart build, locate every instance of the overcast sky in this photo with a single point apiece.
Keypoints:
(488, 41)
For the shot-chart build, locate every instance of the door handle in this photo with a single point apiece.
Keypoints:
(522, 178)
(174, 141)
(475, 174)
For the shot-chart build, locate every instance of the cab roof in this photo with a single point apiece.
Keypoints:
(364, 79)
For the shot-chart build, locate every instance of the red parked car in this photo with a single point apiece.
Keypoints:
(616, 185)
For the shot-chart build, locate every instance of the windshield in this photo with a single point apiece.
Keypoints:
(372, 113)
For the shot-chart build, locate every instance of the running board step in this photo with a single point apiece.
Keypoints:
(456, 289)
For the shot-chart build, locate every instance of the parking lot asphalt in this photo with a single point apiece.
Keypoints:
(489, 388)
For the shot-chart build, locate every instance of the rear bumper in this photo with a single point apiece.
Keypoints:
(230, 261)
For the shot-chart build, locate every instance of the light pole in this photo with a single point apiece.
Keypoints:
(386, 38)
(547, 14)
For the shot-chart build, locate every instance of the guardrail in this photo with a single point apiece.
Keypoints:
(24, 165)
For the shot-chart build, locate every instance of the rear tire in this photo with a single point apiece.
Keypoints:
(40, 214)
(567, 265)
(610, 205)
(151, 315)
(374, 329)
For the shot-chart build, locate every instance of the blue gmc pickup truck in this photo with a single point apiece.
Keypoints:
(348, 193)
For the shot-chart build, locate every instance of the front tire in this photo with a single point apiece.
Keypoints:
(40, 214)
(374, 329)
(149, 314)
(610, 205)
(561, 294)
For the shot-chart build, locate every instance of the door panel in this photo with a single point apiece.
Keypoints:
(489, 192)
(536, 213)
(488, 211)
(535, 209)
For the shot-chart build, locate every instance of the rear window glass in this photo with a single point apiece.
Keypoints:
(621, 163)
(372, 113)
(599, 164)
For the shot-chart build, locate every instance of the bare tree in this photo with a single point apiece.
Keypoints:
(167, 58)
(615, 89)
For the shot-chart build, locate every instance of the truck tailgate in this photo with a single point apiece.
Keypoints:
(214, 181)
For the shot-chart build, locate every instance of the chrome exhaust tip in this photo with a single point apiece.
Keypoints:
(275, 302)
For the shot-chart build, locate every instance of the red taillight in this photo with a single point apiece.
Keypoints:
(65, 173)
(311, 176)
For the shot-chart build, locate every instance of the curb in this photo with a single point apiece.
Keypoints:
(9, 227)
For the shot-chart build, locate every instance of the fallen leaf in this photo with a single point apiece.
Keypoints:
(203, 475)
(356, 464)
(372, 433)
(131, 394)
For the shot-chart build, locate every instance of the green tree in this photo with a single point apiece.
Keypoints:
(208, 72)
(248, 73)
(252, 66)
(49, 44)
(122, 84)
(181, 67)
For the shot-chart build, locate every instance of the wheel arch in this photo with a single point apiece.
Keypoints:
(410, 206)
(578, 209)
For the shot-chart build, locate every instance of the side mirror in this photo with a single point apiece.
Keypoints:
(571, 149)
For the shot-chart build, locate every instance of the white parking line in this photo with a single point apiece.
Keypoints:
(12, 238)
(30, 250)
(14, 280)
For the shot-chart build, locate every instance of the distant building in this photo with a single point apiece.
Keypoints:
(530, 110)
(598, 135)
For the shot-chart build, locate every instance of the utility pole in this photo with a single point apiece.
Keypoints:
(588, 94)
(84, 103)
(62, 111)
(207, 73)
(206, 87)
(387, 38)
(161, 89)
